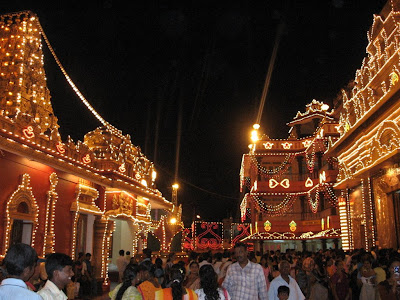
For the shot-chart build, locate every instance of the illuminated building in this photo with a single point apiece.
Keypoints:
(367, 150)
(94, 196)
(287, 185)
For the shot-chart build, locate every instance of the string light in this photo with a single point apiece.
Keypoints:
(49, 232)
(22, 194)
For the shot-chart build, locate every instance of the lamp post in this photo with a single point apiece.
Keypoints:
(175, 188)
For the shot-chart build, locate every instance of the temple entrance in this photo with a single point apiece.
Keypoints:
(21, 232)
(84, 233)
(122, 238)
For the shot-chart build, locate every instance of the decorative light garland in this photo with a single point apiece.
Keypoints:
(52, 198)
(23, 192)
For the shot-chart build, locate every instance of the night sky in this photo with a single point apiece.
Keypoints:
(138, 65)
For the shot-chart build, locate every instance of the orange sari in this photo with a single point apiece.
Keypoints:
(166, 294)
(148, 290)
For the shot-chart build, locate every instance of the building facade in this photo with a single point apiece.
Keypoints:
(368, 110)
(287, 185)
(94, 196)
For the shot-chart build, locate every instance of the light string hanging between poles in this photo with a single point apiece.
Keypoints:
(71, 83)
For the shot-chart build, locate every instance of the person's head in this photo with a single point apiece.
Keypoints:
(339, 265)
(59, 269)
(264, 260)
(367, 262)
(308, 264)
(130, 278)
(218, 256)
(147, 269)
(128, 253)
(394, 268)
(121, 252)
(81, 256)
(171, 256)
(88, 256)
(209, 282)
(36, 273)
(20, 261)
(283, 292)
(194, 267)
(147, 253)
(284, 268)
(226, 254)
(241, 253)
(177, 275)
(158, 262)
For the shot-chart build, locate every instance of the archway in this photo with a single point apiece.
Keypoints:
(21, 215)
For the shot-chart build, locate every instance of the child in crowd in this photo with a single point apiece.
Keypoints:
(283, 292)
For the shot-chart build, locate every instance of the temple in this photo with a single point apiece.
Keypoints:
(287, 185)
(95, 196)
(367, 150)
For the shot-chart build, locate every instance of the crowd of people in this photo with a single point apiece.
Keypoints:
(241, 274)
(24, 276)
(232, 274)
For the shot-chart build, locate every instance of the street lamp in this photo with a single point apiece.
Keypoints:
(254, 133)
(175, 188)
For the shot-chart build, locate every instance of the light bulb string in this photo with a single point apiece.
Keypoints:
(71, 83)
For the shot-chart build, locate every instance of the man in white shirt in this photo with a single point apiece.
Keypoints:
(121, 264)
(19, 262)
(285, 279)
(59, 272)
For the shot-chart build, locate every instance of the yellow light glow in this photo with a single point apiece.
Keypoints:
(175, 186)
(254, 136)
(325, 107)
(256, 126)
(173, 220)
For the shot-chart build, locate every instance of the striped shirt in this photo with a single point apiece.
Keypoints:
(246, 283)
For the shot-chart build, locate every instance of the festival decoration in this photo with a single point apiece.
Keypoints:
(60, 148)
(293, 226)
(86, 159)
(284, 183)
(267, 225)
(287, 145)
(209, 235)
(268, 145)
(309, 182)
(28, 132)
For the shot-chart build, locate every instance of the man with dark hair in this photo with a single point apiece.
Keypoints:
(59, 272)
(147, 254)
(19, 262)
(244, 279)
(285, 279)
(128, 256)
(121, 264)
